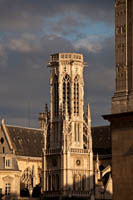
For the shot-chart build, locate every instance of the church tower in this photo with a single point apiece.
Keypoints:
(123, 97)
(121, 119)
(67, 154)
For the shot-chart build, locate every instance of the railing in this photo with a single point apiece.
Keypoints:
(73, 150)
(81, 193)
(67, 193)
(53, 151)
(79, 150)
(51, 193)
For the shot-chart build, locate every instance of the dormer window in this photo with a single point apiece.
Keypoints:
(7, 163)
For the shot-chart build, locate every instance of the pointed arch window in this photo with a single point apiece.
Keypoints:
(74, 183)
(66, 94)
(77, 182)
(49, 182)
(83, 182)
(56, 96)
(76, 96)
(55, 131)
(57, 182)
(77, 131)
(53, 182)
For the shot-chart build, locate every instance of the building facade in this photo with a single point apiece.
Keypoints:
(123, 96)
(67, 140)
(21, 164)
(67, 153)
(121, 119)
(20, 159)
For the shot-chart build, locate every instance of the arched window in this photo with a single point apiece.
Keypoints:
(74, 183)
(76, 96)
(77, 131)
(49, 182)
(27, 178)
(53, 182)
(56, 129)
(77, 182)
(56, 96)
(57, 182)
(66, 94)
(84, 182)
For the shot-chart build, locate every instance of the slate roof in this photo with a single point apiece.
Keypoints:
(101, 138)
(26, 141)
(29, 142)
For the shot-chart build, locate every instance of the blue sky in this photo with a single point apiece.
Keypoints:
(32, 30)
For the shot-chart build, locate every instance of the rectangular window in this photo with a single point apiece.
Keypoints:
(7, 163)
(7, 189)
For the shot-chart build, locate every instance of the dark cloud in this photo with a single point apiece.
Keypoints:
(32, 15)
(99, 79)
(24, 79)
(31, 30)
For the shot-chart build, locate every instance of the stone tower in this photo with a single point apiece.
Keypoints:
(121, 119)
(67, 154)
(123, 97)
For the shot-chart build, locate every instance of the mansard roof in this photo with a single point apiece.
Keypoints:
(26, 141)
(101, 138)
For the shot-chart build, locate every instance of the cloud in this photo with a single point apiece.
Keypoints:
(99, 79)
(25, 80)
(33, 30)
(3, 57)
(33, 15)
(92, 43)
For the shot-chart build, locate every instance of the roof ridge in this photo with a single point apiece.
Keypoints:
(13, 126)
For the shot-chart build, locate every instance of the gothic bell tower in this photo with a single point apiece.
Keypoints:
(67, 94)
(67, 154)
(123, 97)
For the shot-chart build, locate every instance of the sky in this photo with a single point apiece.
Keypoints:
(30, 31)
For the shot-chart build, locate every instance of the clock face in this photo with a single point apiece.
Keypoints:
(78, 162)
